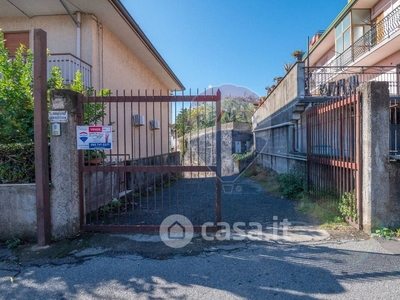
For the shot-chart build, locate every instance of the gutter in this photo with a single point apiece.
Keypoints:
(274, 126)
(288, 156)
(135, 27)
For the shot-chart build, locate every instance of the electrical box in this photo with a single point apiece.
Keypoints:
(154, 124)
(55, 129)
(138, 120)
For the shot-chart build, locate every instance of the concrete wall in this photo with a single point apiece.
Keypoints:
(273, 127)
(392, 204)
(64, 194)
(282, 164)
(202, 145)
(18, 211)
(281, 98)
(380, 192)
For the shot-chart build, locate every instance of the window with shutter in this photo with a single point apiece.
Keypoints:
(14, 39)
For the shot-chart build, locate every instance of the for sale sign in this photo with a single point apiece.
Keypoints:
(94, 137)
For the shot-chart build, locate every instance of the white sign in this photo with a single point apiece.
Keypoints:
(94, 137)
(58, 116)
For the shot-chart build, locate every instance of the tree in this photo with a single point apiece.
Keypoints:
(204, 115)
(16, 95)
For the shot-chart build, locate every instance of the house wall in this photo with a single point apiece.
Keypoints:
(61, 31)
(383, 6)
(122, 69)
(114, 67)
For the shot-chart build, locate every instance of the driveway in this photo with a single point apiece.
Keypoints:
(308, 263)
(104, 266)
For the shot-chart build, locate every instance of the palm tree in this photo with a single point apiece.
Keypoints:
(287, 66)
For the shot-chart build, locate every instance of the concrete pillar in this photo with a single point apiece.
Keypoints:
(301, 79)
(64, 167)
(375, 154)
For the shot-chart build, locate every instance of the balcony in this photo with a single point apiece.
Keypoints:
(381, 32)
(341, 73)
(69, 64)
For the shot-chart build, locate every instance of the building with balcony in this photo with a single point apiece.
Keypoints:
(361, 44)
(342, 140)
(104, 42)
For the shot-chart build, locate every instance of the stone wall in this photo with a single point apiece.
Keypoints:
(201, 145)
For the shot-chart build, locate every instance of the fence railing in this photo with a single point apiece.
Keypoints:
(334, 153)
(338, 81)
(69, 64)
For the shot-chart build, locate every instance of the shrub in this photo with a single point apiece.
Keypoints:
(17, 163)
(16, 95)
(291, 184)
(348, 205)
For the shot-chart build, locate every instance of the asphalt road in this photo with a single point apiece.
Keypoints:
(307, 264)
(327, 269)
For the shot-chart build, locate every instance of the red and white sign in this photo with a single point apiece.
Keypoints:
(94, 137)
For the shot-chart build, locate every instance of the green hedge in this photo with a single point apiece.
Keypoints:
(17, 163)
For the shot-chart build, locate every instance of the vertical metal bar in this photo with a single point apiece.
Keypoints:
(133, 156)
(155, 160)
(40, 138)
(147, 157)
(80, 165)
(358, 159)
(162, 128)
(138, 161)
(218, 157)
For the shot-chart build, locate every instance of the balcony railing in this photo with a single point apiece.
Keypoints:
(337, 81)
(382, 31)
(69, 64)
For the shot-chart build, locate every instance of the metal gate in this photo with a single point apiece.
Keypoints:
(334, 153)
(165, 159)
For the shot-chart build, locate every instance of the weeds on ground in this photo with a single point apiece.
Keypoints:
(324, 206)
(387, 233)
(292, 185)
(13, 242)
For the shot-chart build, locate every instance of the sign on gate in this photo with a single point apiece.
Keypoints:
(94, 137)
(58, 116)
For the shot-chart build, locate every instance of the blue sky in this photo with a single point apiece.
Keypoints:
(240, 42)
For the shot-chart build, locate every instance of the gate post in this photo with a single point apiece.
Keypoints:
(64, 167)
(40, 137)
(375, 153)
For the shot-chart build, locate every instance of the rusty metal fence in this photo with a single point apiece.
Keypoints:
(151, 171)
(340, 80)
(334, 153)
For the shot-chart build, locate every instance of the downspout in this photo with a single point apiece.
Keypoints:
(77, 21)
(78, 35)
